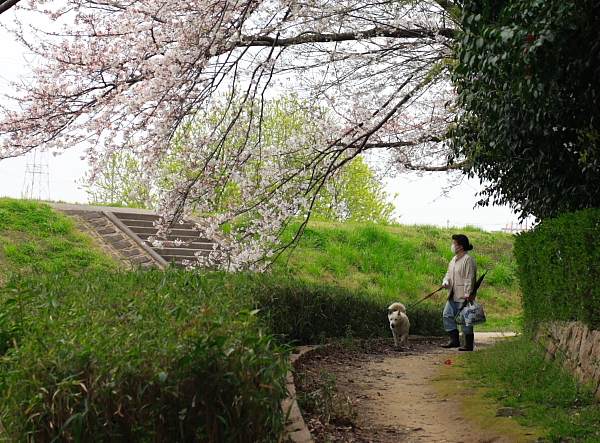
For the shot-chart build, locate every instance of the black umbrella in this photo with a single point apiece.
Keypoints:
(478, 284)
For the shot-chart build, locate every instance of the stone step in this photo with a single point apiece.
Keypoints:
(205, 246)
(183, 252)
(151, 224)
(178, 259)
(175, 233)
(136, 216)
(142, 226)
(138, 225)
(149, 219)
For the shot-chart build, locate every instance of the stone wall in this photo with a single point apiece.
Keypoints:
(577, 347)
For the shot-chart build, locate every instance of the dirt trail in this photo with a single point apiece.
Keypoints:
(391, 393)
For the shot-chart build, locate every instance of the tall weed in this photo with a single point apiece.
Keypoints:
(149, 356)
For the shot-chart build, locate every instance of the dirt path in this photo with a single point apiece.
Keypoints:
(391, 393)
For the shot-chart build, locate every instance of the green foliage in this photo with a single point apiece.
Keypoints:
(89, 353)
(309, 313)
(519, 375)
(138, 356)
(119, 183)
(527, 77)
(558, 269)
(355, 195)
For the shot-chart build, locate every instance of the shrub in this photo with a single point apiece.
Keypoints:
(557, 267)
(308, 312)
(137, 357)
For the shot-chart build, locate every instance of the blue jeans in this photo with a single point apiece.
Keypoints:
(450, 312)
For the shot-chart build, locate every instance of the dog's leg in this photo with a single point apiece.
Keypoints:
(404, 341)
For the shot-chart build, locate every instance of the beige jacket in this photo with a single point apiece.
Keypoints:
(461, 277)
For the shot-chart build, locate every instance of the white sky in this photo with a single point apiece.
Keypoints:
(419, 200)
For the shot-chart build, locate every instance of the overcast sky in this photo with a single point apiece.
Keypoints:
(419, 200)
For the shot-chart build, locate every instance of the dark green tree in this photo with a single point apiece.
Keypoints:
(528, 79)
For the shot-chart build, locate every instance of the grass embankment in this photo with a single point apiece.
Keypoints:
(406, 263)
(32, 236)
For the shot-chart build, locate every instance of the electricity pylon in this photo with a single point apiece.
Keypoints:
(36, 184)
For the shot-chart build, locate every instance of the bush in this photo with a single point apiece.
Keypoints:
(558, 269)
(167, 356)
(308, 313)
(137, 357)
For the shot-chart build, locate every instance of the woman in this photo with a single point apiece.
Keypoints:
(460, 283)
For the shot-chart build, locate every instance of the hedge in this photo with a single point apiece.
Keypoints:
(155, 356)
(558, 266)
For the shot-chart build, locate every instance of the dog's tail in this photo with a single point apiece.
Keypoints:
(397, 307)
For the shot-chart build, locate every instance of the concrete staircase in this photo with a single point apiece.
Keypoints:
(141, 225)
(123, 233)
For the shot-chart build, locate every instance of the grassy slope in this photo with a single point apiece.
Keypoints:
(395, 263)
(405, 263)
(33, 236)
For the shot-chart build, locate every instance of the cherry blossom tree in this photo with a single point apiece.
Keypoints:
(139, 75)
(357, 194)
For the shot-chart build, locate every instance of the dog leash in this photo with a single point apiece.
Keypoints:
(434, 292)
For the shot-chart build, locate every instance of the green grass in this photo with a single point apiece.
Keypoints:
(83, 342)
(69, 316)
(405, 263)
(385, 264)
(515, 373)
(34, 236)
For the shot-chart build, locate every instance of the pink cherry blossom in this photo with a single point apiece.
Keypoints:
(142, 76)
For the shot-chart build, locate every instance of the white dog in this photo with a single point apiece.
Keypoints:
(399, 324)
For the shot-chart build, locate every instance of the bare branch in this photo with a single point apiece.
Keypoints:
(309, 37)
(426, 168)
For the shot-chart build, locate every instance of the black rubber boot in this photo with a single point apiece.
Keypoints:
(454, 339)
(469, 343)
